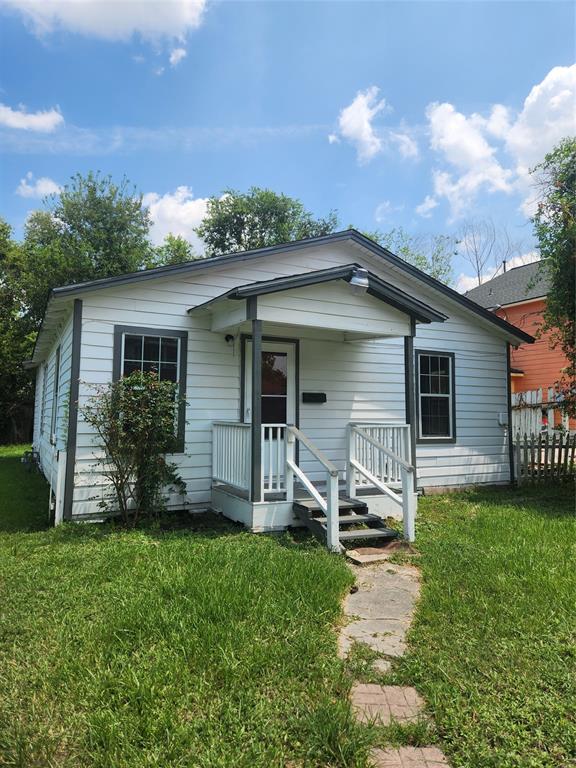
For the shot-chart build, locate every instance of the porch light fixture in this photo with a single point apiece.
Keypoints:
(359, 280)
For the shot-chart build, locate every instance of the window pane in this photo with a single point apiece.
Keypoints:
(150, 366)
(435, 413)
(274, 373)
(274, 410)
(132, 347)
(424, 364)
(169, 350)
(169, 372)
(443, 385)
(130, 366)
(425, 383)
(151, 348)
(444, 365)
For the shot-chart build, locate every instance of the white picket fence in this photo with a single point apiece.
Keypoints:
(532, 414)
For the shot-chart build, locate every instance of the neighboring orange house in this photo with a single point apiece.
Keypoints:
(519, 296)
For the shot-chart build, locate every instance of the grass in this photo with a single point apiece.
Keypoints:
(207, 646)
(493, 645)
(183, 648)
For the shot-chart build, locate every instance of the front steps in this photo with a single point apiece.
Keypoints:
(354, 520)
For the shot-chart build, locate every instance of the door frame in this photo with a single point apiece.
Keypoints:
(267, 340)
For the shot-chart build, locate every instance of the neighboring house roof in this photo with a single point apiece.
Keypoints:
(54, 312)
(517, 284)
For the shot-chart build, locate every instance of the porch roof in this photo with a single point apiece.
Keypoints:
(375, 287)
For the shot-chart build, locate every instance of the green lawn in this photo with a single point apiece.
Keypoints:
(190, 648)
(494, 641)
(210, 647)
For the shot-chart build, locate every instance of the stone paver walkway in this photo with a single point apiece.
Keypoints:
(409, 757)
(379, 613)
(381, 610)
(384, 704)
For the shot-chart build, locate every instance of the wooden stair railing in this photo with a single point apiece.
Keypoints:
(408, 498)
(330, 504)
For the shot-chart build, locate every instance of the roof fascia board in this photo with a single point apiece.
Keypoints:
(450, 293)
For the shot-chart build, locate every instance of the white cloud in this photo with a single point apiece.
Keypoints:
(333, 139)
(426, 207)
(176, 213)
(385, 210)
(112, 19)
(406, 145)
(176, 56)
(38, 188)
(466, 282)
(496, 153)
(44, 122)
(355, 123)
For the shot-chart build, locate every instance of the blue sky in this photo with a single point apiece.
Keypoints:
(419, 114)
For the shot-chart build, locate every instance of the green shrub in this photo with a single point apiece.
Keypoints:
(135, 420)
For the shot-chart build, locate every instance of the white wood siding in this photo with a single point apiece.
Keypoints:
(363, 380)
(44, 400)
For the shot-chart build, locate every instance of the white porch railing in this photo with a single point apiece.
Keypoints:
(273, 459)
(231, 453)
(330, 504)
(394, 437)
(379, 466)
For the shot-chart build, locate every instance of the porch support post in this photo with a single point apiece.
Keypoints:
(409, 387)
(256, 430)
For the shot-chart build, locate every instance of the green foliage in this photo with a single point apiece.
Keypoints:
(555, 230)
(16, 342)
(492, 645)
(93, 228)
(241, 221)
(432, 254)
(135, 420)
(174, 250)
(146, 648)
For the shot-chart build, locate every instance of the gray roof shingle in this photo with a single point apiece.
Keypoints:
(518, 284)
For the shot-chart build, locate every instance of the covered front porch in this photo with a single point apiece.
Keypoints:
(272, 467)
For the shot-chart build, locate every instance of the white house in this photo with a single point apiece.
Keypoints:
(307, 366)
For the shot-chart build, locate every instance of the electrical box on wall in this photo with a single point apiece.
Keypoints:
(314, 397)
(503, 419)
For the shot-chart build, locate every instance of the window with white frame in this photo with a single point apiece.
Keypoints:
(162, 352)
(159, 354)
(435, 396)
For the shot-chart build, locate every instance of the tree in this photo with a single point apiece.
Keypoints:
(259, 218)
(555, 230)
(174, 250)
(16, 341)
(430, 253)
(483, 244)
(92, 228)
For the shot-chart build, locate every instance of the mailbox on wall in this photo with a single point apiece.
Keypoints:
(314, 397)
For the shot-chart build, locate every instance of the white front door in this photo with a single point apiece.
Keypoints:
(278, 383)
(278, 406)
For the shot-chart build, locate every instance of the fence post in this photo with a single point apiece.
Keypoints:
(518, 460)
